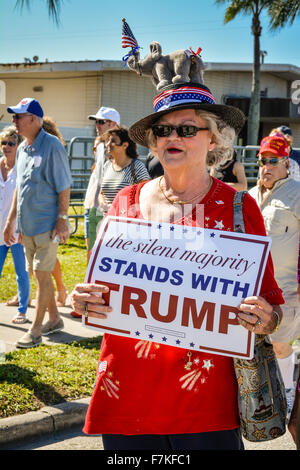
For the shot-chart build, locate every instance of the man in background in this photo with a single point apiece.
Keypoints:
(40, 206)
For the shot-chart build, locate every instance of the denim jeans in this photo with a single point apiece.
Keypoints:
(22, 275)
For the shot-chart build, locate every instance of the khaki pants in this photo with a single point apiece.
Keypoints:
(95, 218)
(40, 252)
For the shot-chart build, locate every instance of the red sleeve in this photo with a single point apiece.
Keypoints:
(254, 224)
(124, 203)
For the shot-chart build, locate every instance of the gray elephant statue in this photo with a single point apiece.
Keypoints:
(178, 67)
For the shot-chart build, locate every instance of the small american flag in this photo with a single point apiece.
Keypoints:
(128, 39)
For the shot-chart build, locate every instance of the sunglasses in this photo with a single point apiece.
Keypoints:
(100, 121)
(20, 116)
(10, 143)
(273, 161)
(164, 130)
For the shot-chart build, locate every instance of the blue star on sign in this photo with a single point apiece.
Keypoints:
(164, 339)
(212, 235)
(137, 333)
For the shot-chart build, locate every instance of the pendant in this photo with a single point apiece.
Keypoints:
(189, 363)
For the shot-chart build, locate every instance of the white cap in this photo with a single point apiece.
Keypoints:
(106, 113)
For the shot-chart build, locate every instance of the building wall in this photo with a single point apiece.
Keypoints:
(69, 97)
(239, 84)
(129, 93)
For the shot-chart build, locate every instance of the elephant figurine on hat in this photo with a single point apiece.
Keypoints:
(180, 66)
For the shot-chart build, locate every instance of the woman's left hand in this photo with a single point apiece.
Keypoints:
(258, 316)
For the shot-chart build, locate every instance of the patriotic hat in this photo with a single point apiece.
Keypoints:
(185, 96)
(274, 144)
(27, 105)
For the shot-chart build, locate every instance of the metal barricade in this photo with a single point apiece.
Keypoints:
(80, 154)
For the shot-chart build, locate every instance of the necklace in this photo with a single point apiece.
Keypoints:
(180, 201)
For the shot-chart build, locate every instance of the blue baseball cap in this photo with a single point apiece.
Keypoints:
(27, 105)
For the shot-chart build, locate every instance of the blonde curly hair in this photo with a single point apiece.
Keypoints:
(223, 137)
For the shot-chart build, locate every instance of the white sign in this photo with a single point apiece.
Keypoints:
(177, 285)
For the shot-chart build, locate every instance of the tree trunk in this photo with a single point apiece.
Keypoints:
(254, 110)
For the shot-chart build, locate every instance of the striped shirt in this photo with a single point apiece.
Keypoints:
(115, 180)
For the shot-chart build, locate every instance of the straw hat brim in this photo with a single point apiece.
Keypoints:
(232, 116)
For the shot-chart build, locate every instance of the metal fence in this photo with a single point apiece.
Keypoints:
(80, 150)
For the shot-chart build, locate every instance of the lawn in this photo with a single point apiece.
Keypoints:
(47, 375)
(72, 257)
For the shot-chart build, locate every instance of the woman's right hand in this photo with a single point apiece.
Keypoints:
(87, 298)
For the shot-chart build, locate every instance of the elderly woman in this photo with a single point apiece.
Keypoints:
(9, 141)
(147, 406)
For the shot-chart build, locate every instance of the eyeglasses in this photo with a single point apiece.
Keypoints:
(164, 130)
(273, 161)
(20, 116)
(10, 143)
(100, 121)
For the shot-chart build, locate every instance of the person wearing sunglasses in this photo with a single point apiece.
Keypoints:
(9, 141)
(40, 207)
(277, 195)
(105, 119)
(141, 398)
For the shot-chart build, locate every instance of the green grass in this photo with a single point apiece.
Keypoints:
(47, 375)
(72, 257)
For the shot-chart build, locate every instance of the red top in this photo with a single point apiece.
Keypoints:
(144, 387)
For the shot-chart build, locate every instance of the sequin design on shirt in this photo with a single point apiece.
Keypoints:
(145, 349)
(197, 376)
(108, 384)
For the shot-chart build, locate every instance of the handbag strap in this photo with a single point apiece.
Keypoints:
(238, 218)
(133, 172)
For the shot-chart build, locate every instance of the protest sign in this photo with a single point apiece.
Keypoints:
(177, 285)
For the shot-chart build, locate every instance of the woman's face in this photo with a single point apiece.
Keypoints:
(9, 147)
(179, 152)
(114, 147)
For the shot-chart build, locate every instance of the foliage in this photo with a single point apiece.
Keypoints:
(47, 375)
(279, 12)
(53, 7)
(283, 12)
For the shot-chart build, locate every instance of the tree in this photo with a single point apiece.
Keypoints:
(254, 8)
(283, 12)
(53, 7)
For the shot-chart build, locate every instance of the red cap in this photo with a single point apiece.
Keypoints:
(274, 144)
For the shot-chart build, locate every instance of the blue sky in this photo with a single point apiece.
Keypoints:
(91, 29)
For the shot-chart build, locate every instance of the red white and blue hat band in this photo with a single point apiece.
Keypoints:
(169, 98)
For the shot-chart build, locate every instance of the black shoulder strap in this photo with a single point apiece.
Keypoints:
(238, 219)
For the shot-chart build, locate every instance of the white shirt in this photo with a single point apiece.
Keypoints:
(7, 189)
(294, 170)
(91, 197)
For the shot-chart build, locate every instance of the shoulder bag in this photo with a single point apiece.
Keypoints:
(262, 400)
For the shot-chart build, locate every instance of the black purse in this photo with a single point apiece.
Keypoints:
(262, 400)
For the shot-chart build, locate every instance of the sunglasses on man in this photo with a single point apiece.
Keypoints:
(9, 143)
(100, 121)
(164, 130)
(274, 161)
